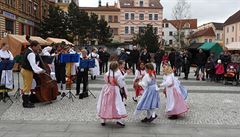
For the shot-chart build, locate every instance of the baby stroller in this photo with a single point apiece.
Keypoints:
(232, 74)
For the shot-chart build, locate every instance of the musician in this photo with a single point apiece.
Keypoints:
(6, 75)
(82, 76)
(29, 66)
(60, 69)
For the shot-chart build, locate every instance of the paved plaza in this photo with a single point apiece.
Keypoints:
(214, 112)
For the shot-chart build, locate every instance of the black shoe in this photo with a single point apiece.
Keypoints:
(94, 77)
(145, 120)
(134, 99)
(120, 124)
(173, 117)
(85, 95)
(63, 94)
(103, 124)
(91, 77)
(26, 103)
(152, 118)
(80, 96)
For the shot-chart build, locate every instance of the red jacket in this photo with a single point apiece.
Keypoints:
(219, 69)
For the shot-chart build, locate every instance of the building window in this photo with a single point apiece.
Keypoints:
(30, 7)
(126, 30)
(115, 18)
(170, 33)
(227, 41)
(141, 3)
(232, 39)
(163, 25)
(9, 26)
(126, 16)
(166, 25)
(141, 29)
(132, 16)
(141, 16)
(150, 17)
(102, 17)
(170, 42)
(227, 29)
(218, 36)
(132, 30)
(110, 19)
(232, 28)
(22, 5)
(162, 33)
(155, 16)
(210, 40)
(206, 40)
(35, 8)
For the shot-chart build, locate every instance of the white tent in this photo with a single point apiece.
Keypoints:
(233, 46)
(57, 40)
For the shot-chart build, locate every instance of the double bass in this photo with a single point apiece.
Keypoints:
(46, 88)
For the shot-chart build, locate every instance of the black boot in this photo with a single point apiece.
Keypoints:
(85, 94)
(26, 102)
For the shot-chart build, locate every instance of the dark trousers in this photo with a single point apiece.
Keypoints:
(198, 69)
(60, 73)
(219, 77)
(82, 77)
(133, 66)
(106, 66)
(101, 65)
(158, 67)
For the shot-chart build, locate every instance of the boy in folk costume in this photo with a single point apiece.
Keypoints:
(138, 77)
(96, 70)
(110, 105)
(175, 104)
(150, 100)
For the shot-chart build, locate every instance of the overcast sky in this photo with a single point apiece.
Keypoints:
(204, 10)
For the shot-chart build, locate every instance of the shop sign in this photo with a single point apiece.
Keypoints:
(25, 21)
(9, 15)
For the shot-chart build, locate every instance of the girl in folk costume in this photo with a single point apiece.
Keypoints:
(110, 105)
(138, 77)
(124, 73)
(6, 75)
(96, 70)
(150, 100)
(175, 104)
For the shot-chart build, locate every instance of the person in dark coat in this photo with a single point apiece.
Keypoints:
(101, 56)
(226, 59)
(105, 60)
(201, 59)
(171, 58)
(123, 56)
(178, 63)
(186, 64)
(134, 58)
(158, 60)
(145, 56)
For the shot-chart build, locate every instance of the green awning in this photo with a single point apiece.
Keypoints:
(212, 47)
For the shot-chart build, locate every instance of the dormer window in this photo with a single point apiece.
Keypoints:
(126, 4)
(152, 5)
(141, 3)
(186, 26)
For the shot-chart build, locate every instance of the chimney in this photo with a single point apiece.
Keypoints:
(107, 4)
(99, 3)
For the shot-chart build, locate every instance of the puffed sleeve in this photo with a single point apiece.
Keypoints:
(136, 75)
(144, 82)
(167, 82)
(121, 81)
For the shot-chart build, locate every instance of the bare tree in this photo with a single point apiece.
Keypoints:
(181, 11)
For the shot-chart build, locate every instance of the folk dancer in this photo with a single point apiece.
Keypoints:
(6, 75)
(82, 76)
(96, 70)
(150, 100)
(110, 105)
(29, 67)
(140, 72)
(175, 105)
(124, 91)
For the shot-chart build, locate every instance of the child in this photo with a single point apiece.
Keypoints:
(175, 104)
(124, 73)
(219, 70)
(150, 99)
(110, 105)
(138, 77)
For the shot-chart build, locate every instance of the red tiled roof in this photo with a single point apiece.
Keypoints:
(153, 4)
(233, 19)
(181, 23)
(204, 32)
(101, 8)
